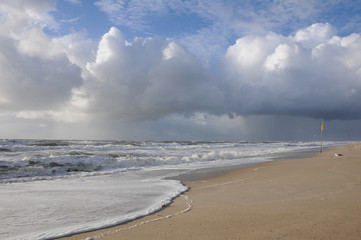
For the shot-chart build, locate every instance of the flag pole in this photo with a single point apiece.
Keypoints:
(321, 137)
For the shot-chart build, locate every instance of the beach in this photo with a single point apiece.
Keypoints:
(313, 198)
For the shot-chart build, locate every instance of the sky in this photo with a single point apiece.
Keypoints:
(233, 70)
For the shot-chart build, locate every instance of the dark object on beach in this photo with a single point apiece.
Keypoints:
(72, 170)
(338, 154)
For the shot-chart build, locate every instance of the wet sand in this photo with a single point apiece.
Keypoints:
(313, 198)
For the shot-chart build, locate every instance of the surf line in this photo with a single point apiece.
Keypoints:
(188, 208)
(188, 202)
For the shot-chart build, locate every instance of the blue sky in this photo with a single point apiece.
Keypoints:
(179, 19)
(181, 69)
(80, 16)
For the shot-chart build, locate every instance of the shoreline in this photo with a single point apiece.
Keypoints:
(206, 173)
(254, 202)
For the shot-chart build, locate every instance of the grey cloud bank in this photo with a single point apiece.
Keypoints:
(266, 86)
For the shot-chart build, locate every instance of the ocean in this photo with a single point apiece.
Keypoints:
(53, 188)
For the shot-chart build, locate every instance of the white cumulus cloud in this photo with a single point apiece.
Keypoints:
(312, 73)
(147, 78)
(35, 72)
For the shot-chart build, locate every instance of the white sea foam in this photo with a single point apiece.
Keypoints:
(45, 209)
(92, 184)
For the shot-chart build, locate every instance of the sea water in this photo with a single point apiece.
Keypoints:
(53, 188)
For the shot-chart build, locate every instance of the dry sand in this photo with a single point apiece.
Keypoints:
(313, 198)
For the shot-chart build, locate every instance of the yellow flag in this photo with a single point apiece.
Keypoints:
(322, 127)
